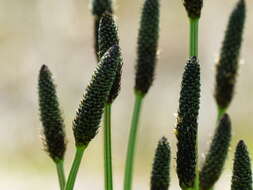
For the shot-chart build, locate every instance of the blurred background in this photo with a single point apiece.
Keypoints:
(59, 33)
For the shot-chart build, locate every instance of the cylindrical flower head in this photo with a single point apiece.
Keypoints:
(227, 67)
(187, 126)
(160, 178)
(98, 8)
(147, 46)
(242, 175)
(193, 8)
(108, 33)
(50, 115)
(108, 36)
(96, 28)
(217, 154)
(90, 111)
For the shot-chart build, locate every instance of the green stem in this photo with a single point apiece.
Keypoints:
(132, 142)
(194, 35)
(75, 167)
(194, 27)
(196, 183)
(107, 149)
(221, 112)
(60, 173)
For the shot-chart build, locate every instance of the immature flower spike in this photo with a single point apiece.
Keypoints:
(227, 67)
(160, 178)
(193, 8)
(108, 33)
(107, 37)
(147, 46)
(99, 7)
(50, 115)
(217, 154)
(90, 111)
(242, 175)
(187, 125)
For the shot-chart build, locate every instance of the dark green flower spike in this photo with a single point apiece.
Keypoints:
(160, 178)
(99, 7)
(108, 33)
(242, 175)
(96, 28)
(107, 37)
(227, 67)
(147, 46)
(50, 115)
(217, 154)
(187, 126)
(193, 8)
(90, 111)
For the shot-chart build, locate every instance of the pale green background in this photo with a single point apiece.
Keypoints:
(59, 33)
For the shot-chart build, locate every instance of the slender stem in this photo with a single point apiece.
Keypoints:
(60, 173)
(196, 183)
(132, 142)
(75, 167)
(194, 27)
(221, 112)
(107, 149)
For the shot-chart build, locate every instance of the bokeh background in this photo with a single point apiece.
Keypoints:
(59, 33)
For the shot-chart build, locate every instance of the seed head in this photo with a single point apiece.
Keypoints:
(217, 154)
(50, 115)
(187, 125)
(88, 117)
(108, 33)
(242, 175)
(160, 178)
(99, 7)
(227, 67)
(193, 8)
(147, 46)
(96, 28)
(108, 36)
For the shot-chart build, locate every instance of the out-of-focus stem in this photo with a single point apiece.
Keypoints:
(60, 173)
(75, 167)
(108, 178)
(132, 142)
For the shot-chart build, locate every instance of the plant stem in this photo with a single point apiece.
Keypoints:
(60, 173)
(221, 112)
(75, 166)
(132, 142)
(194, 27)
(194, 32)
(107, 149)
(196, 183)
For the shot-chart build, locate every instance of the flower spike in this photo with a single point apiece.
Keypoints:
(227, 67)
(147, 46)
(50, 114)
(98, 8)
(242, 174)
(217, 154)
(90, 111)
(160, 178)
(193, 8)
(107, 37)
(187, 125)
